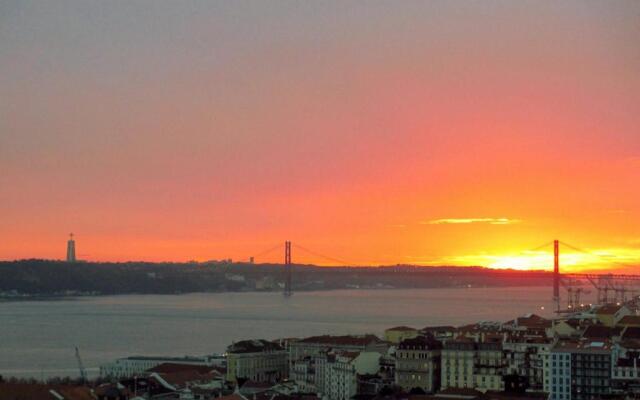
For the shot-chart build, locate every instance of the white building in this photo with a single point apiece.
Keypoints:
(342, 370)
(304, 374)
(480, 366)
(316, 345)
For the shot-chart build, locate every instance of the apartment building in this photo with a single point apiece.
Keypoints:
(525, 358)
(343, 370)
(578, 370)
(317, 345)
(489, 366)
(257, 360)
(467, 364)
(625, 364)
(316, 350)
(303, 374)
(457, 359)
(418, 364)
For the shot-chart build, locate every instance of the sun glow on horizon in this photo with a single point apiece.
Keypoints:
(599, 260)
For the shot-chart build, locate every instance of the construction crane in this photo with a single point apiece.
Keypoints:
(573, 293)
(83, 372)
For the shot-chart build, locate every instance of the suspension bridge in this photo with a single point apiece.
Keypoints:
(609, 287)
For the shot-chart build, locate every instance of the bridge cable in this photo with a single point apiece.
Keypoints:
(329, 258)
(604, 258)
(265, 252)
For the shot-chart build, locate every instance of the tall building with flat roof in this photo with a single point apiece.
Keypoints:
(71, 249)
(578, 370)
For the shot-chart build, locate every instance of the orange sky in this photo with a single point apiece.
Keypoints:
(448, 132)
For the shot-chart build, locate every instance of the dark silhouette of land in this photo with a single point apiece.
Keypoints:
(47, 278)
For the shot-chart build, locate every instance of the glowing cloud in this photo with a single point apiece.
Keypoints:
(490, 221)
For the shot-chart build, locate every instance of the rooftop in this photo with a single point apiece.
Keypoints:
(165, 358)
(38, 391)
(575, 346)
(630, 320)
(601, 331)
(420, 343)
(254, 346)
(346, 340)
(608, 309)
(402, 329)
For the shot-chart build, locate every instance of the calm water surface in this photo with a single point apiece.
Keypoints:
(37, 338)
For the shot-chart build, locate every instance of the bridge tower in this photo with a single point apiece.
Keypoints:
(556, 273)
(288, 290)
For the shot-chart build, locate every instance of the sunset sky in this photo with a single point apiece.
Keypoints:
(378, 132)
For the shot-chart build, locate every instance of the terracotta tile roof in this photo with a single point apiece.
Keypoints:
(16, 391)
(608, 309)
(533, 321)
(601, 331)
(75, 393)
(631, 332)
(420, 343)
(630, 343)
(630, 320)
(445, 328)
(342, 340)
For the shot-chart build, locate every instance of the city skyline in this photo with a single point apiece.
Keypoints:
(438, 133)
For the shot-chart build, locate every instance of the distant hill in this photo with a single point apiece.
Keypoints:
(46, 278)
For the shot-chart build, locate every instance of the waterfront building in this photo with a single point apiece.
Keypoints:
(257, 360)
(138, 365)
(399, 333)
(418, 364)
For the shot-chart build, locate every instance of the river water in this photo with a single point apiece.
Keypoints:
(38, 338)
